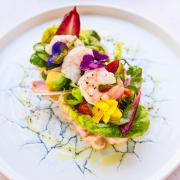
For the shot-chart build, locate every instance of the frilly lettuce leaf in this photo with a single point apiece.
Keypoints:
(140, 124)
(136, 76)
(75, 98)
(139, 127)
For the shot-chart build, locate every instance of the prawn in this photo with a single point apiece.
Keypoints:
(65, 39)
(71, 63)
(90, 81)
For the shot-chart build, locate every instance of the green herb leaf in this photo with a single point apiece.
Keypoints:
(134, 88)
(76, 93)
(136, 76)
(75, 98)
(73, 102)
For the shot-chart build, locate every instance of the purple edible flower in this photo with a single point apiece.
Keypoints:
(99, 57)
(90, 62)
(57, 49)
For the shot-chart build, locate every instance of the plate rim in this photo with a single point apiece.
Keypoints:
(30, 22)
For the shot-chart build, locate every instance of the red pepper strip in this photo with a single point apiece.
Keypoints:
(126, 127)
(84, 108)
(127, 93)
(70, 24)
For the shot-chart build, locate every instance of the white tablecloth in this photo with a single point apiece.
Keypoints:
(164, 12)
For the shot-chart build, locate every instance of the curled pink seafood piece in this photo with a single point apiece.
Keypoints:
(40, 88)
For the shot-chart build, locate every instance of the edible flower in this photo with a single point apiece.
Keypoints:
(94, 61)
(106, 110)
(59, 51)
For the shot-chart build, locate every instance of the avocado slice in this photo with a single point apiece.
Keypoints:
(56, 81)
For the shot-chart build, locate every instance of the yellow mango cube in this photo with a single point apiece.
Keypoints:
(112, 109)
(97, 117)
(106, 117)
(102, 105)
(112, 102)
(95, 110)
(116, 115)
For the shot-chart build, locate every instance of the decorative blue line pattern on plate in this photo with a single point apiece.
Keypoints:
(40, 117)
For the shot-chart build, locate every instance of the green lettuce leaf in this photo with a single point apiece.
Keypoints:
(140, 124)
(139, 127)
(136, 76)
(75, 98)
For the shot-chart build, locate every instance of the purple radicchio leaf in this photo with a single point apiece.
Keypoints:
(125, 128)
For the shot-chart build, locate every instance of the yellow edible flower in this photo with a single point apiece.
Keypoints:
(106, 110)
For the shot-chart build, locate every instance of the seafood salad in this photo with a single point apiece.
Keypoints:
(98, 95)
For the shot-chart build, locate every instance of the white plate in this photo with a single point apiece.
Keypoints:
(23, 150)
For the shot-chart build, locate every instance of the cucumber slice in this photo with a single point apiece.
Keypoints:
(42, 55)
(37, 61)
(39, 47)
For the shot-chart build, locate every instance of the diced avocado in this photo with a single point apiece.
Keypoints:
(56, 81)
